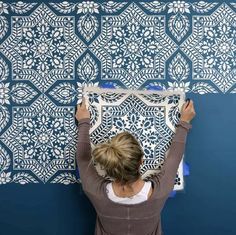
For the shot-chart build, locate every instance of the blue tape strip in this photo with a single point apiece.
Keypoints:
(172, 194)
(156, 88)
(186, 172)
(186, 169)
(149, 87)
(107, 85)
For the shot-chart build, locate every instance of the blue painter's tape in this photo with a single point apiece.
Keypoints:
(186, 172)
(172, 194)
(186, 169)
(107, 85)
(156, 88)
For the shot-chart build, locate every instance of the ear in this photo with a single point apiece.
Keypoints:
(142, 161)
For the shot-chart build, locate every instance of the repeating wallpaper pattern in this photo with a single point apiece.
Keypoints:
(50, 51)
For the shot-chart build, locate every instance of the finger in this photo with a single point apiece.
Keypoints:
(83, 105)
(191, 104)
(184, 106)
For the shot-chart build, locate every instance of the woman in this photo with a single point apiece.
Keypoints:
(128, 205)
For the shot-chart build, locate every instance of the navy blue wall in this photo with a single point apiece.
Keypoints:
(207, 206)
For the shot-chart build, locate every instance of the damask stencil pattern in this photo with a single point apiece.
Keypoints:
(151, 116)
(50, 51)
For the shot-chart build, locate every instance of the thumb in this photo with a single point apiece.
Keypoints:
(190, 105)
(184, 106)
(83, 105)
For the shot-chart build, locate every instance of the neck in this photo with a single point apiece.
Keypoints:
(128, 184)
(128, 189)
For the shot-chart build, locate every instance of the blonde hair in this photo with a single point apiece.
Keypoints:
(120, 157)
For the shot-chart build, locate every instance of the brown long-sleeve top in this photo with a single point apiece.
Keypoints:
(122, 219)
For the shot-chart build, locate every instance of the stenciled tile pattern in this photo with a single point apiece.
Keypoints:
(133, 47)
(50, 51)
(151, 116)
(42, 138)
(211, 47)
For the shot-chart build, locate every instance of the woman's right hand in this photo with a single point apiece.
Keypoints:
(187, 112)
(82, 111)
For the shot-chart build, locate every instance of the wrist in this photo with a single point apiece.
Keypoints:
(83, 119)
(184, 120)
(185, 124)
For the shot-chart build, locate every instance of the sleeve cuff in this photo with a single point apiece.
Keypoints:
(185, 125)
(84, 120)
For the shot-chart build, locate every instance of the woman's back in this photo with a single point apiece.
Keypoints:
(135, 193)
(120, 219)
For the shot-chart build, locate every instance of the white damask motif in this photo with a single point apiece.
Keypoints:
(4, 165)
(179, 6)
(4, 94)
(3, 26)
(87, 71)
(150, 116)
(133, 47)
(21, 93)
(65, 93)
(18, 7)
(3, 8)
(88, 7)
(212, 46)
(88, 23)
(179, 23)
(179, 72)
(42, 47)
(179, 26)
(65, 178)
(6, 177)
(42, 138)
(88, 26)
(51, 51)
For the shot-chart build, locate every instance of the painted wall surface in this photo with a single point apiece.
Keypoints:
(187, 45)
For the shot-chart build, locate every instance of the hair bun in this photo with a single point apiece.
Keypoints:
(120, 157)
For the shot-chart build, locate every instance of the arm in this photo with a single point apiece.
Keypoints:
(166, 178)
(90, 179)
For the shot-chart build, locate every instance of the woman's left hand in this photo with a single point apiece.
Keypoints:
(188, 111)
(82, 111)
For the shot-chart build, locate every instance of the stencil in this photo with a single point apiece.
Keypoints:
(151, 116)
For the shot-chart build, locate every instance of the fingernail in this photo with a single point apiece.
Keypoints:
(187, 100)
